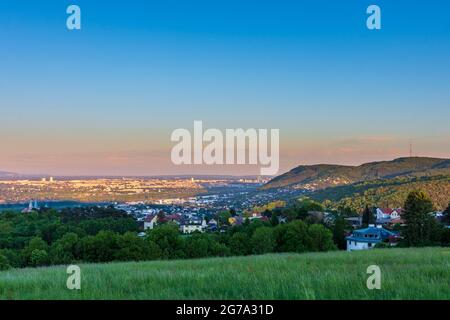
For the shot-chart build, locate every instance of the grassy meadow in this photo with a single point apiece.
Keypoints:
(406, 274)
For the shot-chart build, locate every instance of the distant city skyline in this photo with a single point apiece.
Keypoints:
(104, 100)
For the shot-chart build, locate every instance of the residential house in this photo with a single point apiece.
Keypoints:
(363, 239)
(189, 225)
(212, 225)
(150, 221)
(388, 213)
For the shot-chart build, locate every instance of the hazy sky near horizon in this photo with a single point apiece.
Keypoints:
(105, 99)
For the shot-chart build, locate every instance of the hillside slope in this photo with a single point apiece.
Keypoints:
(387, 193)
(322, 175)
(406, 274)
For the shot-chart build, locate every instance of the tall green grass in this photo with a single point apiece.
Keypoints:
(406, 274)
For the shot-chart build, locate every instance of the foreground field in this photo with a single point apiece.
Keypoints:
(406, 274)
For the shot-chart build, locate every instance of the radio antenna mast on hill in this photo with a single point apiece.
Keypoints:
(410, 148)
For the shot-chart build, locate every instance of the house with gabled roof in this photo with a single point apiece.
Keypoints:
(189, 225)
(150, 221)
(388, 213)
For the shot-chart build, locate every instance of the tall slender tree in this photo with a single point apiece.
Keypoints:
(419, 222)
(368, 216)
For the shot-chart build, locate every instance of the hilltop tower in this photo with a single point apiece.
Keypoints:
(410, 148)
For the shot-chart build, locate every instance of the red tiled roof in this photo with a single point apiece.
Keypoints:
(389, 210)
(149, 218)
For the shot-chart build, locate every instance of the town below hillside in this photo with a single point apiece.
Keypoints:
(50, 221)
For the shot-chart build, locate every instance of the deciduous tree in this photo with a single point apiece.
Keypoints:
(419, 222)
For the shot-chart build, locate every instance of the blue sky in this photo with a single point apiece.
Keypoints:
(338, 92)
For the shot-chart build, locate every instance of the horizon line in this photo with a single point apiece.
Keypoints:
(187, 175)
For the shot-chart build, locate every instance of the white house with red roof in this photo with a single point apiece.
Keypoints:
(388, 214)
(150, 221)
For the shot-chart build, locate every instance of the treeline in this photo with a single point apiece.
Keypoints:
(17, 229)
(421, 228)
(106, 234)
(36, 238)
(103, 235)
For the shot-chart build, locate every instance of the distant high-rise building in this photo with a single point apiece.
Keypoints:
(50, 179)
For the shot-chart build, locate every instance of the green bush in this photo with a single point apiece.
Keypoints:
(13, 257)
(263, 240)
(4, 264)
(321, 238)
(292, 237)
(39, 258)
(167, 238)
(240, 244)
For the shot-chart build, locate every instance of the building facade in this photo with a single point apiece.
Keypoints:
(367, 238)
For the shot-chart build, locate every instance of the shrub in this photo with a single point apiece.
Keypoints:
(13, 257)
(39, 258)
(263, 240)
(4, 264)
(292, 237)
(321, 238)
(63, 251)
(167, 238)
(203, 245)
(240, 244)
(131, 247)
(99, 248)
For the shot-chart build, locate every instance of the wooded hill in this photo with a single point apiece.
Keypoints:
(387, 193)
(321, 176)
